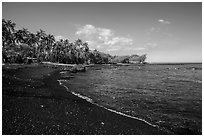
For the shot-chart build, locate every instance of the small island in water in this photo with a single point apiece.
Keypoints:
(42, 93)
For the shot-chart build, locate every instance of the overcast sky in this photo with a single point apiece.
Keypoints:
(166, 32)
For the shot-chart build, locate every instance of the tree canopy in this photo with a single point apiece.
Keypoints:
(18, 45)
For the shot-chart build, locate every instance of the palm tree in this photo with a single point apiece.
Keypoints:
(32, 39)
(8, 39)
(50, 39)
(41, 39)
(25, 35)
(18, 37)
(32, 42)
(40, 36)
(8, 28)
(86, 52)
(48, 47)
(41, 44)
(22, 36)
(22, 43)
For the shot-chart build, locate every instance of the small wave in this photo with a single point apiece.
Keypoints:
(189, 80)
(63, 72)
(120, 113)
(114, 111)
(197, 81)
(183, 80)
(83, 97)
(76, 94)
(62, 80)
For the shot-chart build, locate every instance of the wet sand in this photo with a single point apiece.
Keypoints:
(34, 103)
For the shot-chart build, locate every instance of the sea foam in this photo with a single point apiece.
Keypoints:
(91, 101)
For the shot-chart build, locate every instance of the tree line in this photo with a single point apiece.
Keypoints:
(19, 45)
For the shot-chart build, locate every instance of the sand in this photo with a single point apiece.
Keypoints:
(34, 103)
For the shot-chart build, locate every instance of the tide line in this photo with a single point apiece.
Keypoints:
(114, 111)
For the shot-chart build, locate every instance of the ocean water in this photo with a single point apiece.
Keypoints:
(165, 95)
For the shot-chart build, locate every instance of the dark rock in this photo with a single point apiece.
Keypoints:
(78, 68)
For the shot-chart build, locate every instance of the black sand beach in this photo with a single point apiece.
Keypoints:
(34, 103)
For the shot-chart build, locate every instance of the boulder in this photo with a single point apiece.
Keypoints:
(78, 68)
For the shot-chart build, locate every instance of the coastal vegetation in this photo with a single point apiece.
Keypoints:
(21, 45)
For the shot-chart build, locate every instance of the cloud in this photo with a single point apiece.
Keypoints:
(113, 49)
(158, 27)
(119, 40)
(162, 21)
(102, 39)
(88, 30)
(146, 46)
(140, 49)
(153, 30)
(159, 31)
(151, 45)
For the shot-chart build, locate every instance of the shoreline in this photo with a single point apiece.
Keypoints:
(114, 111)
(49, 109)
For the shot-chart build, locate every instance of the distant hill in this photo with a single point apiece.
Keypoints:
(136, 59)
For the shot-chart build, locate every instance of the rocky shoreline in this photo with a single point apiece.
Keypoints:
(34, 103)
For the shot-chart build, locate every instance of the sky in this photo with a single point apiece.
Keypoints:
(166, 32)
